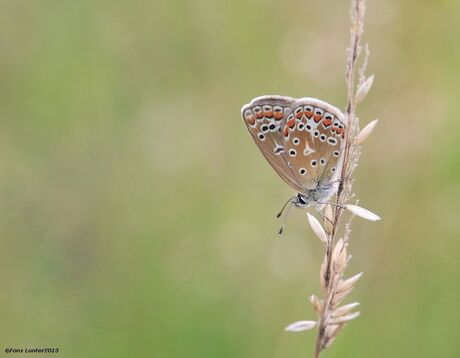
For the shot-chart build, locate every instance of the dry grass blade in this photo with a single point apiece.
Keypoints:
(317, 303)
(317, 228)
(331, 332)
(344, 319)
(340, 296)
(363, 213)
(339, 256)
(328, 219)
(344, 309)
(363, 90)
(323, 275)
(366, 131)
(346, 284)
(300, 326)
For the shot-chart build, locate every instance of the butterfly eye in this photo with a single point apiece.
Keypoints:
(302, 171)
(332, 141)
(336, 153)
(322, 137)
(316, 134)
(272, 127)
(328, 116)
(308, 127)
(333, 170)
(261, 136)
(296, 141)
(322, 161)
(300, 126)
(292, 152)
(314, 163)
(264, 128)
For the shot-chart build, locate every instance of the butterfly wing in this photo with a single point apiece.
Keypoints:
(314, 134)
(265, 118)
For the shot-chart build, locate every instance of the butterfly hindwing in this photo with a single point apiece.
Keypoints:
(302, 139)
(314, 135)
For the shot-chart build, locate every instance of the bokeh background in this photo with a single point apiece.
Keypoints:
(137, 216)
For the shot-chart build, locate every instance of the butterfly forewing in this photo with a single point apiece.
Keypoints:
(306, 144)
(265, 118)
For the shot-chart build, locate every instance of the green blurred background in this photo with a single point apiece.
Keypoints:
(137, 216)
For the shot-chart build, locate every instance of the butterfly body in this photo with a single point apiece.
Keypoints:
(303, 140)
(317, 196)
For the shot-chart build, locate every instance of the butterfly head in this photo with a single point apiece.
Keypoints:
(316, 196)
(301, 201)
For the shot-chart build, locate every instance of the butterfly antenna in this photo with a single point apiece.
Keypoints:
(280, 232)
(284, 206)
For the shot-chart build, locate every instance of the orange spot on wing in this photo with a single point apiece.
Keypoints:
(308, 114)
(268, 114)
(327, 122)
(291, 123)
(317, 117)
(278, 116)
(299, 115)
(286, 131)
(251, 120)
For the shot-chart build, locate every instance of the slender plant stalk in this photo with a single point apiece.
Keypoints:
(331, 274)
(332, 317)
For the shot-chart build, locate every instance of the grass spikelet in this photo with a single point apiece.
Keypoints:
(332, 314)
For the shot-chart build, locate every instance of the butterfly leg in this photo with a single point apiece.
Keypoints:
(324, 217)
(336, 181)
(333, 204)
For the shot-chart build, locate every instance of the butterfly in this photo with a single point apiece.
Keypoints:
(303, 140)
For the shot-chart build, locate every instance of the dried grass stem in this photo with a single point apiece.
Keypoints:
(336, 257)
